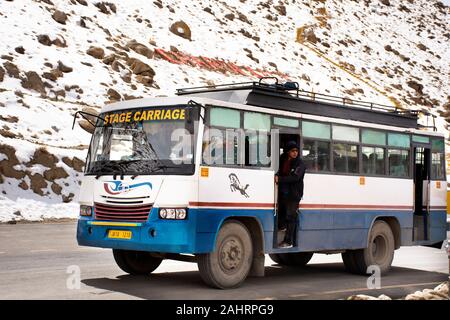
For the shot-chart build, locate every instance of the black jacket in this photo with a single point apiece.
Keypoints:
(291, 186)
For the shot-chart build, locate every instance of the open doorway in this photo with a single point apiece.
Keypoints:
(280, 223)
(422, 157)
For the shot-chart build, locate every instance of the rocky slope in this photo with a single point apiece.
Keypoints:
(60, 56)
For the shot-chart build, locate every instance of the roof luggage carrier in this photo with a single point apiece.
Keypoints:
(288, 96)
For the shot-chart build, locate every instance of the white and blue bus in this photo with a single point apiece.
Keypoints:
(191, 178)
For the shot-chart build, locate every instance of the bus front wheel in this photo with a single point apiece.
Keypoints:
(229, 264)
(136, 262)
(380, 251)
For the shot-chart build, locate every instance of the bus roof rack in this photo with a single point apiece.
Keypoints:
(288, 96)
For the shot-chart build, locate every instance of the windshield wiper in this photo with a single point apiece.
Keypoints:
(112, 166)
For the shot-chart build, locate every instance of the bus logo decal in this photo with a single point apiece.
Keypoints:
(235, 184)
(118, 187)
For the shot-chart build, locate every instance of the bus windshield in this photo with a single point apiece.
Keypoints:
(144, 141)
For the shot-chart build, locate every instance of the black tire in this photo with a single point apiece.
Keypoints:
(136, 262)
(276, 258)
(380, 251)
(297, 259)
(300, 259)
(349, 262)
(229, 264)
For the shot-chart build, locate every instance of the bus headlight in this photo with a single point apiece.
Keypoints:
(180, 214)
(85, 211)
(173, 214)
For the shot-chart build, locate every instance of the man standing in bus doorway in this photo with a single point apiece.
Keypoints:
(290, 191)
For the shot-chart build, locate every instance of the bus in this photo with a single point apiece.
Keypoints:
(191, 178)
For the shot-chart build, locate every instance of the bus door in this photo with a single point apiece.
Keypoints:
(421, 161)
(282, 138)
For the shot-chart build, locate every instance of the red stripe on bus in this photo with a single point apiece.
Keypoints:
(302, 206)
(231, 204)
(350, 206)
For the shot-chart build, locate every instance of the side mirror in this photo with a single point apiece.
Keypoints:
(89, 116)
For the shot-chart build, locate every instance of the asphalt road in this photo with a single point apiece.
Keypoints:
(36, 262)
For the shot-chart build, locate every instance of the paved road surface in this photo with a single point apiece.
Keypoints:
(34, 260)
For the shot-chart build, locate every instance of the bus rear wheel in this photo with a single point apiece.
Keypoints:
(380, 251)
(229, 264)
(297, 259)
(136, 262)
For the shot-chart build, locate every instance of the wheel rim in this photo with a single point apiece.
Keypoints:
(379, 249)
(231, 255)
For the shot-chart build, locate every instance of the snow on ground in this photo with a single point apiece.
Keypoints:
(394, 54)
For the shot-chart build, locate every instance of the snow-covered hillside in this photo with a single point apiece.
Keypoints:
(60, 56)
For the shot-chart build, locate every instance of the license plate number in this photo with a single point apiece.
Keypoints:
(119, 234)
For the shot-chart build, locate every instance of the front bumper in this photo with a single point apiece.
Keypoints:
(162, 236)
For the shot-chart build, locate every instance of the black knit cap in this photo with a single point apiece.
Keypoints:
(291, 145)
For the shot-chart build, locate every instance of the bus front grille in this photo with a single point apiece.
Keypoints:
(108, 212)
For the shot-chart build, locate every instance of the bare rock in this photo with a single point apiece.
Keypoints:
(117, 66)
(75, 163)
(7, 169)
(38, 183)
(109, 59)
(33, 82)
(44, 39)
(12, 69)
(10, 152)
(55, 173)
(59, 17)
(416, 86)
(139, 67)
(126, 77)
(2, 74)
(140, 48)
(60, 42)
(8, 134)
(106, 7)
(181, 29)
(145, 80)
(68, 198)
(78, 164)
(230, 16)
(82, 2)
(64, 68)
(20, 50)
(422, 47)
(96, 52)
(56, 188)
(114, 95)
(385, 2)
(281, 9)
(42, 156)
(53, 75)
(243, 18)
(23, 185)
(10, 119)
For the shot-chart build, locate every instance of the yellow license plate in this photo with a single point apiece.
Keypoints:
(119, 234)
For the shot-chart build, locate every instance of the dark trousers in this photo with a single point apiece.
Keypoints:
(287, 218)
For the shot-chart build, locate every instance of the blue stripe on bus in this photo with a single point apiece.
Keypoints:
(318, 230)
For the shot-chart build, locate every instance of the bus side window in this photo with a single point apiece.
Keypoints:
(257, 149)
(398, 162)
(373, 160)
(323, 156)
(438, 159)
(309, 155)
(316, 155)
